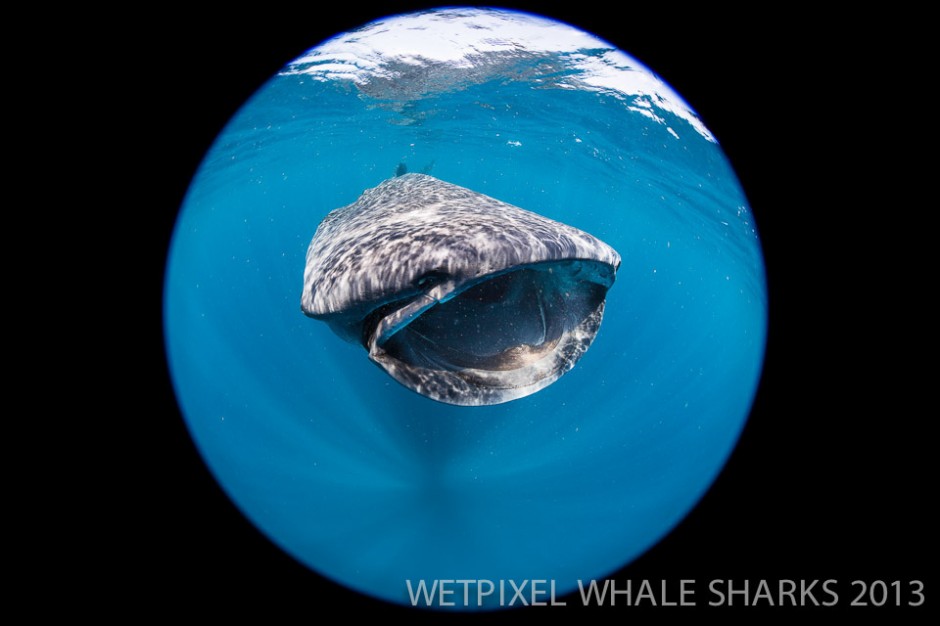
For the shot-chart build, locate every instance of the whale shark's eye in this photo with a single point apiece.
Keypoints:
(429, 279)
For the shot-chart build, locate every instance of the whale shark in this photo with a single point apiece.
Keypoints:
(460, 297)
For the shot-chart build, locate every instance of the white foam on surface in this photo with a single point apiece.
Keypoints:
(462, 38)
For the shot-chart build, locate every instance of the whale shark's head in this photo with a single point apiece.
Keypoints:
(460, 297)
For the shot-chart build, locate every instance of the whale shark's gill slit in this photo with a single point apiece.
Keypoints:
(542, 316)
(458, 296)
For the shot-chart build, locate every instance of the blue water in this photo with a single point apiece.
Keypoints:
(371, 484)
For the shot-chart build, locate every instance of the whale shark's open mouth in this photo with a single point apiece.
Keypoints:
(503, 337)
(460, 297)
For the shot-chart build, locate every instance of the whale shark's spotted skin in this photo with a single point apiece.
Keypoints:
(460, 297)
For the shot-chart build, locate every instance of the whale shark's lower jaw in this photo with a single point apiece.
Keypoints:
(502, 338)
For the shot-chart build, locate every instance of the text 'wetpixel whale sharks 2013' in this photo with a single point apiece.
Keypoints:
(458, 296)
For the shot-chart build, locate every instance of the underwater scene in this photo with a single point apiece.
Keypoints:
(465, 294)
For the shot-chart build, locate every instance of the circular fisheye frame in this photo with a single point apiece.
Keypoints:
(465, 294)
